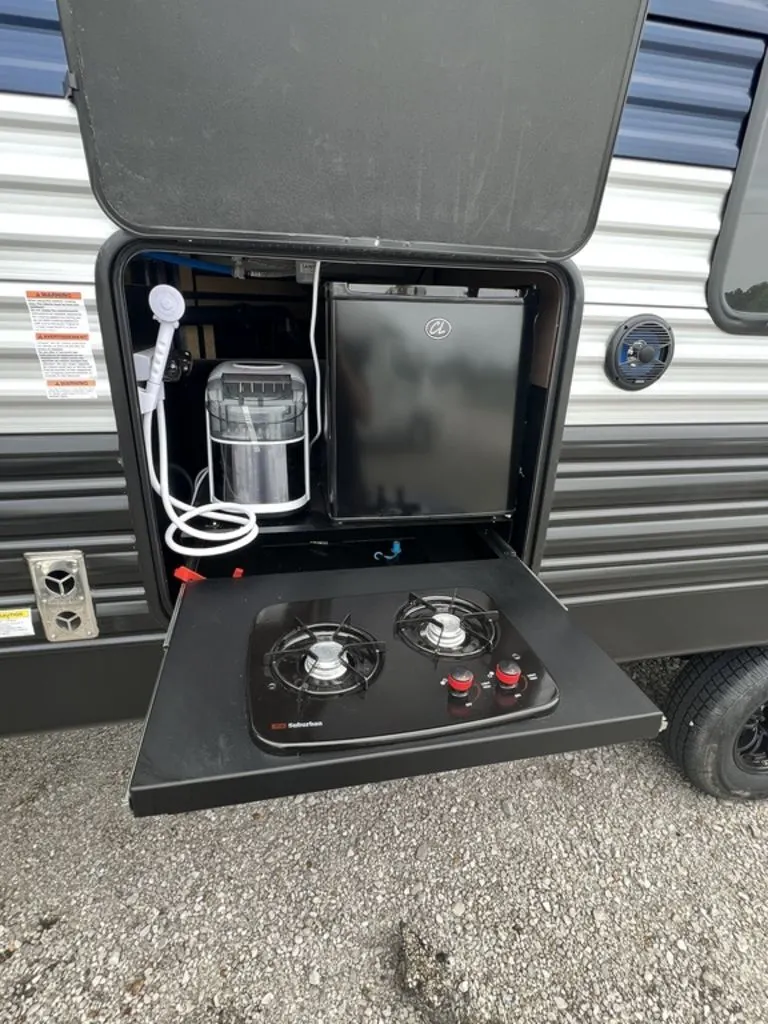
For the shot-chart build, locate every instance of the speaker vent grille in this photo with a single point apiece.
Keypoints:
(639, 352)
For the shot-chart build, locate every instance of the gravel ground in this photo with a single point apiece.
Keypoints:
(589, 887)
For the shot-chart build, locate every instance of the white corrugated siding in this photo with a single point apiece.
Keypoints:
(650, 253)
(51, 229)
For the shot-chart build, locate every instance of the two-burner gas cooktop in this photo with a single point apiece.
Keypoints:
(377, 668)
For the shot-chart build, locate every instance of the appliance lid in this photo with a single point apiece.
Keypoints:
(252, 403)
(438, 126)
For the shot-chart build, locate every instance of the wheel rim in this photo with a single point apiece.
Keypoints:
(751, 751)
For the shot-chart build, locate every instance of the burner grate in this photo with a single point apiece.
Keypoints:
(325, 659)
(440, 625)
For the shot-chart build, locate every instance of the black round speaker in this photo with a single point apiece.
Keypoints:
(639, 352)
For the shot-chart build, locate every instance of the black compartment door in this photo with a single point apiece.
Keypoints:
(430, 126)
(197, 750)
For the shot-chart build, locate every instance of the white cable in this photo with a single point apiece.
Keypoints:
(244, 529)
(313, 346)
(199, 481)
(167, 304)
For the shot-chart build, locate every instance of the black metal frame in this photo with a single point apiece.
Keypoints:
(282, 650)
(732, 320)
(406, 621)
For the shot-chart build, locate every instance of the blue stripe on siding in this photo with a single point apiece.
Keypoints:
(690, 93)
(37, 10)
(738, 15)
(688, 98)
(31, 48)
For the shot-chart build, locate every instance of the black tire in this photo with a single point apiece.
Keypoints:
(709, 706)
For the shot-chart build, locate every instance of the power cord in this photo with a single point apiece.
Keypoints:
(313, 346)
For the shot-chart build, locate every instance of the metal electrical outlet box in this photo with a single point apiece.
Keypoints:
(63, 595)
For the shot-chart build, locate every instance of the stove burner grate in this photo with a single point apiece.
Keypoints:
(442, 624)
(325, 659)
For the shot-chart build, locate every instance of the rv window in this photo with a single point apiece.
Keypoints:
(738, 284)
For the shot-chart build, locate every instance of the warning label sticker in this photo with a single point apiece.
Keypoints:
(63, 343)
(16, 622)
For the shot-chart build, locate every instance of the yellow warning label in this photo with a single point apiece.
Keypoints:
(16, 622)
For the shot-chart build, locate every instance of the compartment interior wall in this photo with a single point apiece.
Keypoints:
(267, 317)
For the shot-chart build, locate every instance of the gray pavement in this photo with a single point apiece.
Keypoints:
(589, 887)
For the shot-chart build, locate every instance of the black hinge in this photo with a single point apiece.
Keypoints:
(70, 85)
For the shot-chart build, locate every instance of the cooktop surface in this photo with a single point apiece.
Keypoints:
(376, 668)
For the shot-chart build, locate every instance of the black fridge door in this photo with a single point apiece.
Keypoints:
(426, 126)
(423, 412)
(197, 750)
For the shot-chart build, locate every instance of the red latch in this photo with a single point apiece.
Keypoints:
(187, 575)
(238, 573)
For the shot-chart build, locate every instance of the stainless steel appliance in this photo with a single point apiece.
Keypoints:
(257, 436)
(424, 401)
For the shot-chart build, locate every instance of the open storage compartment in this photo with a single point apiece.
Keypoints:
(210, 738)
(450, 433)
(355, 230)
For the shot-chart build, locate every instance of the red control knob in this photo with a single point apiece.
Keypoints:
(460, 681)
(508, 673)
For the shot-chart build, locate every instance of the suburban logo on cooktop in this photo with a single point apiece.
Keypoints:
(295, 725)
(438, 327)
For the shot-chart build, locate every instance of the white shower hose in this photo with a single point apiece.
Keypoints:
(167, 305)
